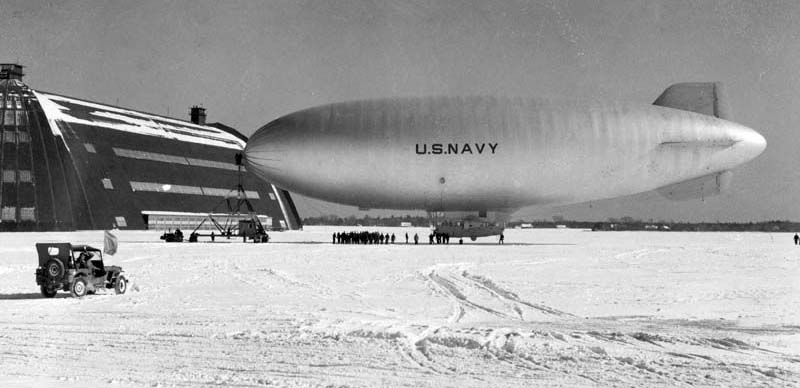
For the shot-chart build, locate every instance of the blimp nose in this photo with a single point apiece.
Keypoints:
(750, 142)
(709, 145)
(265, 152)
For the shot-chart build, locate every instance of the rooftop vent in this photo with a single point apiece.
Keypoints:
(198, 115)
(11, 71)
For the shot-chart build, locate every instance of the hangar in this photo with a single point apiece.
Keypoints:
(73, 164)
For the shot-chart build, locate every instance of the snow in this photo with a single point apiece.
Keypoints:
(134, 122)
(557, 308)
(52, 111)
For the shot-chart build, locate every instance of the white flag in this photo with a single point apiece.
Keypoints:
(110, 244)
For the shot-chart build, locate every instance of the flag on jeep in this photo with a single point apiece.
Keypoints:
(110, 244)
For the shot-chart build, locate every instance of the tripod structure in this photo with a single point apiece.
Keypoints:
(234, 206)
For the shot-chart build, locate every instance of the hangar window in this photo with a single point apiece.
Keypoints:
(8, 213)
(266, 221)
(25, 176)
(9, 103)
(176, 159)
(212, 164)
(195, 190)
(27, 214)
(22, 119)
(283, 224)
(107, 184)
(159, 220)
(180, 189)
(145, 186)
(213, 192)
(18, 102)
(11, 136)
(121, 222)
(272, 196)
(165, 188)
(144, 155)
(9, 176)
(89, 148)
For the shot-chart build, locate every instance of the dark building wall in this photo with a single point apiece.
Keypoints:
(79, 181)
(45, 201)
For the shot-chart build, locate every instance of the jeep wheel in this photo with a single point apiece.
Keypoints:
(48, 292)
(121, 285)
(78, 288)
(54, 269)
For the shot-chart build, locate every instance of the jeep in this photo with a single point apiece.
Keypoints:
(78, 269)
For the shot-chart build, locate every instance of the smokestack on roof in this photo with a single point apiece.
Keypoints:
(198, 115)
(11, 71)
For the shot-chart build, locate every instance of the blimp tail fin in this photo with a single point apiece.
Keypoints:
(707, 98)
(698, 188)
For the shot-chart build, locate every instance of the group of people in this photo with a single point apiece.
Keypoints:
(440, 238)
(369, 238)
(444, 238)
(366, 238)
(363, 238)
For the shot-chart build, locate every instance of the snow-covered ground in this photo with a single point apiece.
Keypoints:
(550, 308)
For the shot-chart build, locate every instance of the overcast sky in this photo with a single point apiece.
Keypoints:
(249, 62)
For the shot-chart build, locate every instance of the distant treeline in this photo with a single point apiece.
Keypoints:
(624, 223)
(765, 226)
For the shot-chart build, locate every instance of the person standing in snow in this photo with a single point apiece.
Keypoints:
(796, 239)
(406, 237)
(416, 239)
(502, 238)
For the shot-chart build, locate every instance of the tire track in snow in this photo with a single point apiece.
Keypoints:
(452, 283)
(638, 253)
(500, 292)
(449, 288)
(291, 280)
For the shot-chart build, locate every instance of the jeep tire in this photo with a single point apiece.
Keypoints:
(78, 288)
(48, 292)
(120, 285)
(54, 269)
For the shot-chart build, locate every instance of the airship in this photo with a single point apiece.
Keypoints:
(474, 160)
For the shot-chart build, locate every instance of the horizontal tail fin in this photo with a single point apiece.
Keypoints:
(706, 98)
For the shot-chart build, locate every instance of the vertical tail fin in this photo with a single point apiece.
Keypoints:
(707, 98)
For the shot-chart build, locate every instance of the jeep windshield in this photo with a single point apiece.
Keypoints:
(84, 248)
